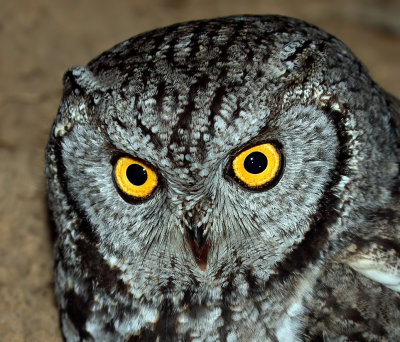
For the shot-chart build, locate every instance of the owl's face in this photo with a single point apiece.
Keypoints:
(221, 164)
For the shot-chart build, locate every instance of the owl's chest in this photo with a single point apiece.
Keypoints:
(246, 321)
(239, 323)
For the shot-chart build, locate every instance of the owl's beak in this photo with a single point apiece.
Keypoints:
(199, 244)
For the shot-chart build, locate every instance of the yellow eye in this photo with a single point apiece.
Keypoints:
(257, 165)
(134, 178)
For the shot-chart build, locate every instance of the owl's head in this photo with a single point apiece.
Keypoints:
(216, 156)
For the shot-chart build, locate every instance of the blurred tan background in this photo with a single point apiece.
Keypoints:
(40, 39)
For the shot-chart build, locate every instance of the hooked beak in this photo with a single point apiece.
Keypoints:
(199, 244)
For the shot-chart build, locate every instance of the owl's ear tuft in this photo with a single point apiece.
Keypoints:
(80, 81)
(81, 89)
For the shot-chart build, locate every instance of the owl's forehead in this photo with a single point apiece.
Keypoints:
(190, 121)
(200, 89)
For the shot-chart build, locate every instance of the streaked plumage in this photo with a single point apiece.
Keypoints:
(311, 252)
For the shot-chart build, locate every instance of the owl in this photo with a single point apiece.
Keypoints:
(233, 179)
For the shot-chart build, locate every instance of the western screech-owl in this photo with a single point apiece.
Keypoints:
(233, 179)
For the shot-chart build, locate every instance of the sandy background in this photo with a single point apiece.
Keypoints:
(40, 39)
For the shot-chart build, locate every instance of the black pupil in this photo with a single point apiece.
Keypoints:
(256, 162)
(136, 174)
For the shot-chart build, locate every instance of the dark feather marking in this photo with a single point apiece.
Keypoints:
(229, 289)
(160, 37)
(119, 122)
(235, 113)
(198, 30)
(216, 107)
(201, 149)
(146, 73)
(250, 279)
(250, 57)
(308, 62)
(160, 95)
(220, 271)
(185, 117)
(84, 226)
(145, 335)
(222, 74)
(168, 287)
(110, 326)
(78, 311)
(170, 54)
(98, 271)
(166, 324)
(187, 297)
(232, 40)
(304, 253)
(226, 314)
